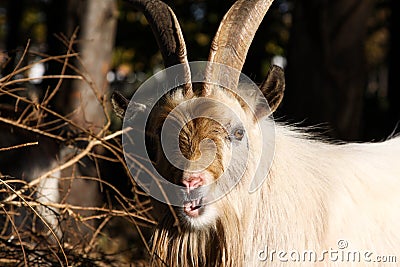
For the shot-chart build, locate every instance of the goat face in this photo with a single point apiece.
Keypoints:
(204, 141)
(202, 145)
(207, 144)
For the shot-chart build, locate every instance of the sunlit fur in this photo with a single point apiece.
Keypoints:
(316, 193)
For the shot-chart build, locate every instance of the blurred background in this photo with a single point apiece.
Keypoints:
(340, 56)
(340, 60)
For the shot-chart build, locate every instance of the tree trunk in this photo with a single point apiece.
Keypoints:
(326, 71)
(96, 44)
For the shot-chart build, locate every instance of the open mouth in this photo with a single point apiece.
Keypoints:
(192, 208)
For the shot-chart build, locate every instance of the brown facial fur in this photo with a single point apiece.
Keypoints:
(191, 137)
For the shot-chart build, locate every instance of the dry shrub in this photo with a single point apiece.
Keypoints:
(111, 231)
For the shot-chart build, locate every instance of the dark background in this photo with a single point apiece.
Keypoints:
(341, 54)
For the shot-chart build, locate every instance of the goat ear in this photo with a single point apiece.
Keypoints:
(119, 104)
(273, 87)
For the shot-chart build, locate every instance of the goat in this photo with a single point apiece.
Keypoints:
(316, 195)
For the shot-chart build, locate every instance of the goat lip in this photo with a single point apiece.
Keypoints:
(193, 208)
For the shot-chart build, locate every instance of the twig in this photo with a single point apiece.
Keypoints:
(9, 76)
(39, 216)
(134, 209)
(21, 80)
(67, 164)
(18, 235)
(69, 207)
(54, 92)
(44, 60)
(137, 228)
(34, 130)
(18, 146)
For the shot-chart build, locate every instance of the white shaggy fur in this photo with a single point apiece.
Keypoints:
(316, 194)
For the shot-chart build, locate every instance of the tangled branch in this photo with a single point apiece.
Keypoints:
(47, 232)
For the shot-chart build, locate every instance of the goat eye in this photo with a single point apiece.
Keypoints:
(238, 134)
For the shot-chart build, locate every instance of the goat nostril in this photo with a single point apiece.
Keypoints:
(193, 182)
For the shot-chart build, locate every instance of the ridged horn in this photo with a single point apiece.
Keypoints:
(233, 38)
(168, 33)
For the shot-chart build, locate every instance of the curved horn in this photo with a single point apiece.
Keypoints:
(168, 33)
(233, 38)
